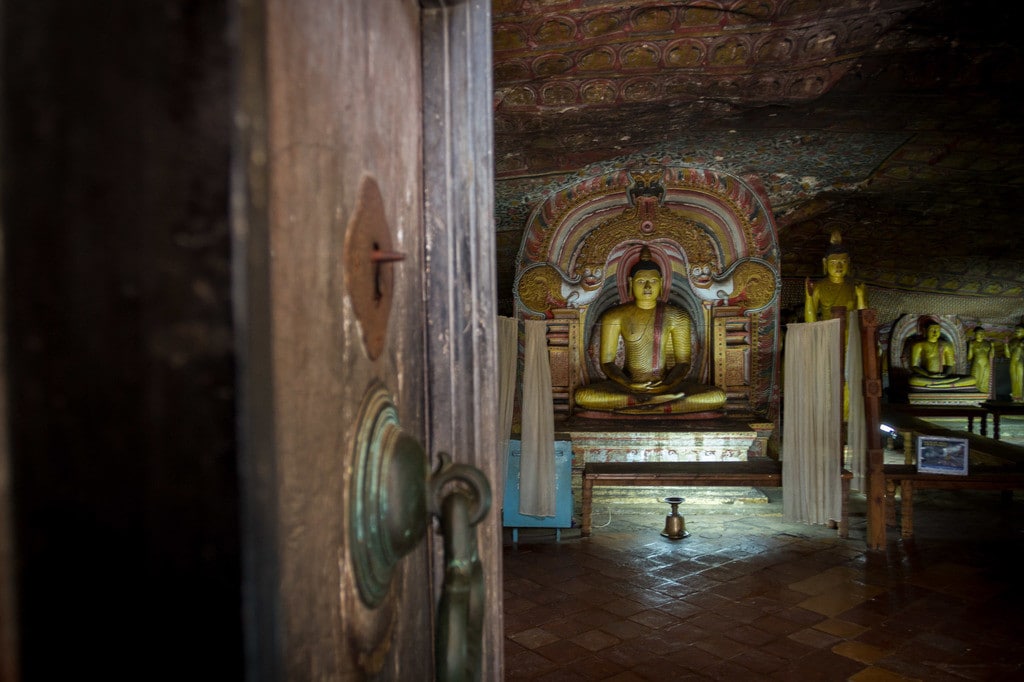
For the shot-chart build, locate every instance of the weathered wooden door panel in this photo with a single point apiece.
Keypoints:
(343, 94)
(344, 106)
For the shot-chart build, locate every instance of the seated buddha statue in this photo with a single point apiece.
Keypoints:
(932, 362)
(657, 344)
(835, 289)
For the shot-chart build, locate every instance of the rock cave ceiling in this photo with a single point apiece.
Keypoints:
(897, 122)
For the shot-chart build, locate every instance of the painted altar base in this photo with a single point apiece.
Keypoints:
(728, 439)
(946, 398)
(642, 445)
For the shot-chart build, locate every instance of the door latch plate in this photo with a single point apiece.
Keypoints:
(369, 275)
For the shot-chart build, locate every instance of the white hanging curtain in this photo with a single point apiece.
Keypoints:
(856, 439)
(811, 430)
(537, 460)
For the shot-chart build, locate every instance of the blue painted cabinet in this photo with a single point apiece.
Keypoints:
(511, 517)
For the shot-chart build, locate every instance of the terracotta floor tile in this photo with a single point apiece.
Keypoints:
(762, 661)
(563, 652)
(842, 598)
(594, 618)
(625, 676)
(535, 638)
(711, 622)
(722, 646)
(622, 606)
(733, 671)
(814, 638)
(626, 629)
(874, 674)
(826, 581)
(595, 640)
(596, 668)
(693, 658)
(858, 651)
(654, 618)
(821, 666)
(751, 636)
(840, 628)
(680, 608)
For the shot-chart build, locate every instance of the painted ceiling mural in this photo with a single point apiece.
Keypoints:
(897, 122)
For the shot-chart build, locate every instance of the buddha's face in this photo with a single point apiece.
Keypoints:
(646, 287)
(979, 335)
(1019, 332)
(837, 266)
(934, 331)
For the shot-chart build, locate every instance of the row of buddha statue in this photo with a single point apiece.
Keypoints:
(932, 359)
(656, 341)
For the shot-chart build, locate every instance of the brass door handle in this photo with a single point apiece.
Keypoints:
(463, 497)
(393, 496)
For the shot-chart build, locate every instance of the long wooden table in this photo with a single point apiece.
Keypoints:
(1004, 479)
(993, 465)
(762, 472)
(970, 411)
(997, 408)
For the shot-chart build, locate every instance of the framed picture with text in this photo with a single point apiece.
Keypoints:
(942, 455)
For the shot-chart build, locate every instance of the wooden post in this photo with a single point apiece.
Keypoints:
(872, 417)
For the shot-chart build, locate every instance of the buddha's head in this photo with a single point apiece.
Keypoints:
(979, 334)
(933, 332)
(1018, 331)
(837, 258)
(645, 280)
(837, 266)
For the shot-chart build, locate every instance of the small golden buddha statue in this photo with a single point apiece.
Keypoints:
(657, 343)
(834, 290)
(1014, 350)
(932, 362)
(980, 353)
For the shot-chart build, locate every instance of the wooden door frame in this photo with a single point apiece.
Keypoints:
(458, 181)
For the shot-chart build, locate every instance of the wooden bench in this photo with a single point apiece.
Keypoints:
(763, 472)
(909, 479)
(992, 465)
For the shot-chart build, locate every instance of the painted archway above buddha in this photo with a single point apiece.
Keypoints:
(714, 239)
(712, 228)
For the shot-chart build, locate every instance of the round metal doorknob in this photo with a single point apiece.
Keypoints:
(403, 507)
(388, 502)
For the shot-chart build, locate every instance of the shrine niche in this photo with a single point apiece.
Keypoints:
(712, 238)
(950, 381)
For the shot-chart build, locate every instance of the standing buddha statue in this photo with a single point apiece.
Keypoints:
(820, 297)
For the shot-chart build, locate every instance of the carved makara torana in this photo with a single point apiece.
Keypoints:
(714, 243)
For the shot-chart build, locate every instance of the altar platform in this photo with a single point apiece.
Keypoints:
(734, 437)
(731, 438)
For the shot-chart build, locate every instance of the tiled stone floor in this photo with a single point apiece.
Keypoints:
(750, 597)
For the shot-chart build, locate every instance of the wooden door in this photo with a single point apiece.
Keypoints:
(333, 100)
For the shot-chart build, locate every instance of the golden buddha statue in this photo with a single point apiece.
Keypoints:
(1015, 351)
(657, 343)
(834, 290)
(932, 362)
(980, 353)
